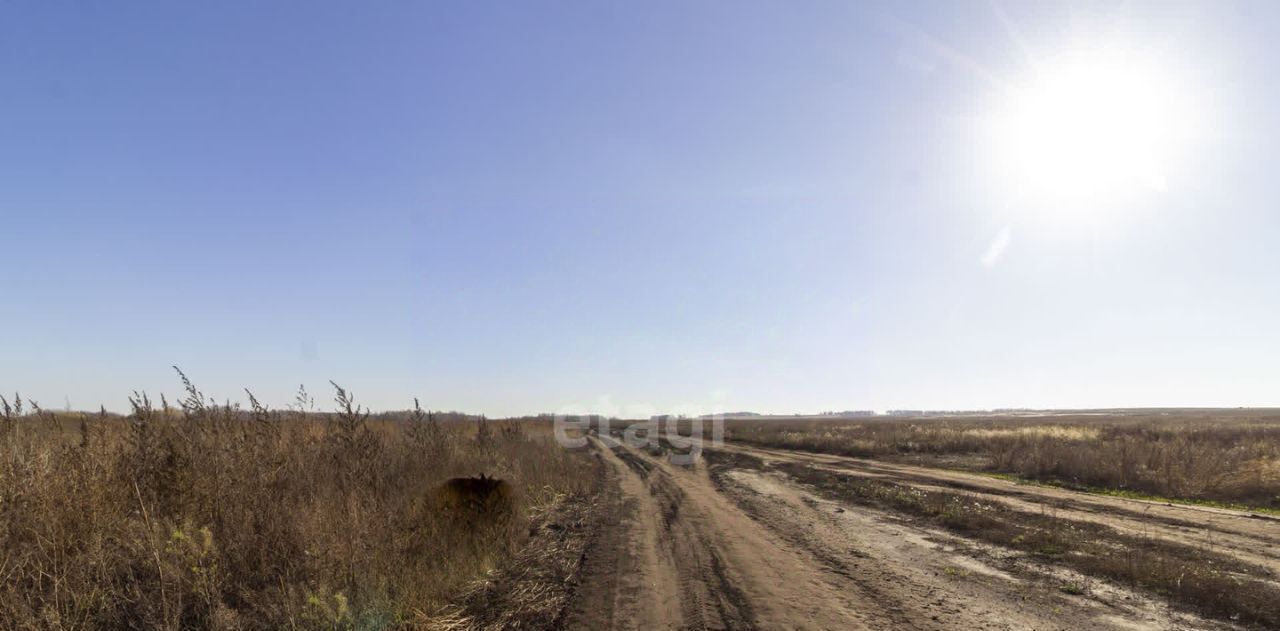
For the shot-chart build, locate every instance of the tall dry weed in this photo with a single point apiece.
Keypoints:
(206, 516)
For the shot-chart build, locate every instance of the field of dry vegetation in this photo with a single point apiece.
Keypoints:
(198, 515)
(1213, 456)
(195, 514)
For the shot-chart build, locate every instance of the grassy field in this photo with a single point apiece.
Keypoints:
(1229, 457)
(196, 515)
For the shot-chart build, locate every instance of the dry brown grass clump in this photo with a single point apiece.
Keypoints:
(1221, 456)
(208, 516)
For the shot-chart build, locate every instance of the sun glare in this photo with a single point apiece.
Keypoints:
(1088, 129)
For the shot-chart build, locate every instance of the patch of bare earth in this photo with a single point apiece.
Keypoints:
(928, 579)
(715, 567)
(734, 548)
(628, 580)
(1154, 561)
(1247, 537)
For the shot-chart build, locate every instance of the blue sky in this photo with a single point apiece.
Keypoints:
(524, 207)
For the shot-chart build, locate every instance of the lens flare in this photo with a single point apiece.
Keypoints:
(1089, 128)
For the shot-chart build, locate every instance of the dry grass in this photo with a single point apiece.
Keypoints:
(1225, 456)
(208, 516)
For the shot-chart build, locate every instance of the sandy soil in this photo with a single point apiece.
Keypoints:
(749, 550)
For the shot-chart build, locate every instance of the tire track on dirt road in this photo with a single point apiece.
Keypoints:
(708, 566)
(1250, 538)
(748, 549)
(928, 579)
(629, 580)
(733, 573)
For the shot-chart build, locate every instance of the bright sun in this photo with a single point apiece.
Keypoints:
(1087, 129)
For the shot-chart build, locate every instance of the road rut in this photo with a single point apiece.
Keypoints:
(745, 549)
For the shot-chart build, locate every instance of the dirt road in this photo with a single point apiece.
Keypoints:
(753, 550)
(1252, 538)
